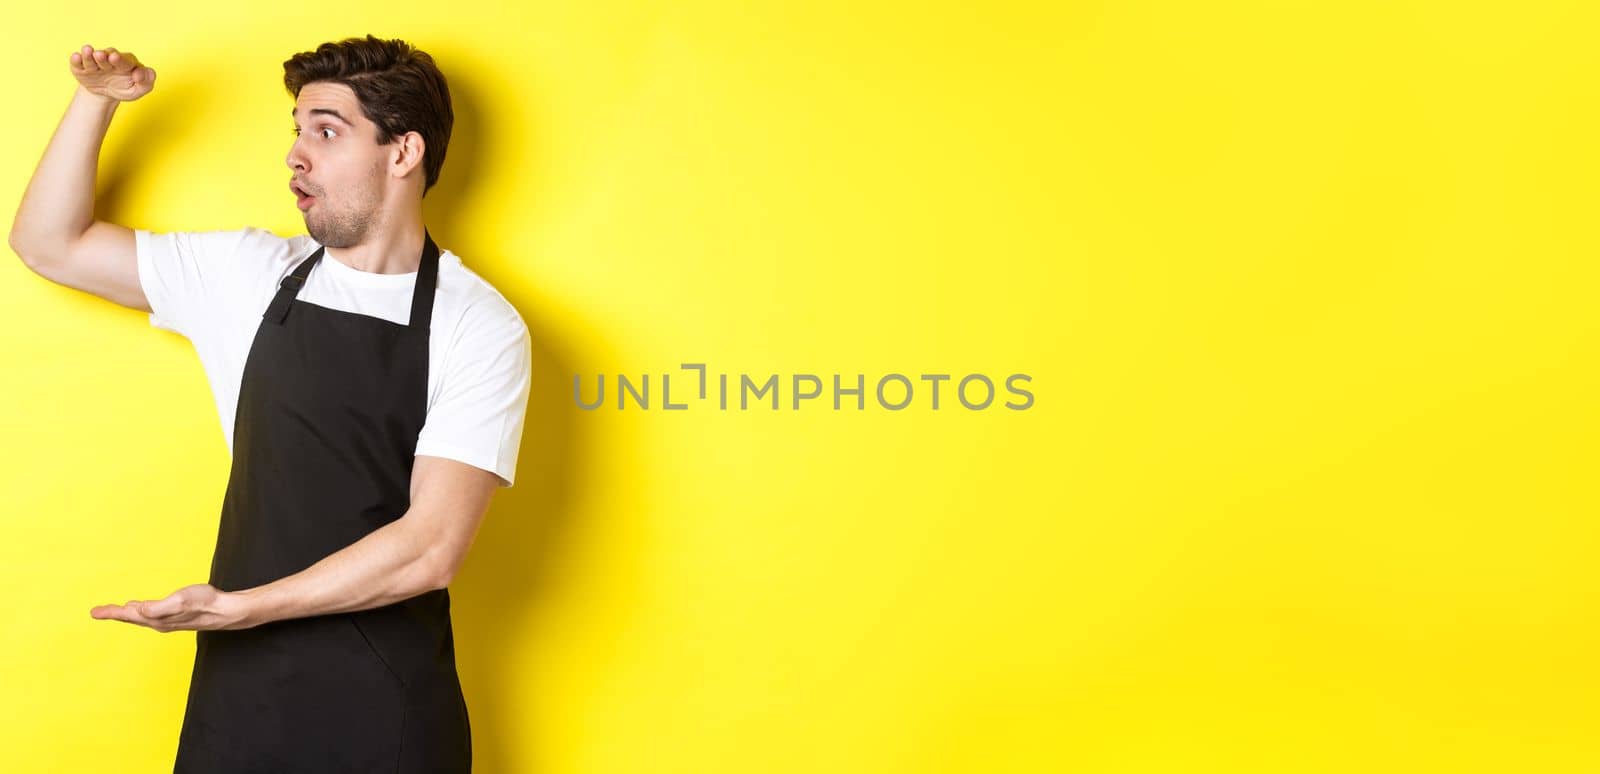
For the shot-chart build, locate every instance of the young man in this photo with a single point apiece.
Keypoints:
(371, 389)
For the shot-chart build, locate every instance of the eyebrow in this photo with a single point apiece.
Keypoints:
(323, 111)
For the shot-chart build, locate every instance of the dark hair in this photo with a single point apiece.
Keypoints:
(398, 85)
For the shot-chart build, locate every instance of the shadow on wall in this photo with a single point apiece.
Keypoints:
(499, 592)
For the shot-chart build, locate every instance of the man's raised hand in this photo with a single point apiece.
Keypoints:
(112, 73)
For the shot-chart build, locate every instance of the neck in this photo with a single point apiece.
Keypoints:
(395, 247)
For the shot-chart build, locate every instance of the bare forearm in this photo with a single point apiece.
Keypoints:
(417, 553)
(58, 204)
(389, 564)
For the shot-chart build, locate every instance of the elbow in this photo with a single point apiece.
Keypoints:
(15, 241)
(27, 247)
(38, 245)
(439, 578)
(435, 555)
(435, 571)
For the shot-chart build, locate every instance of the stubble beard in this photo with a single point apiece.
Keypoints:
(333, 227)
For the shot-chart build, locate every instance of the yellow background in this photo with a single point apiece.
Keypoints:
(1306, 291)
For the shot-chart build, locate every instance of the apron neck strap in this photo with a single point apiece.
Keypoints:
(427, 282)
(421, 293)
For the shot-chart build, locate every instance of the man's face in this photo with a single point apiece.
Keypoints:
(338, 166)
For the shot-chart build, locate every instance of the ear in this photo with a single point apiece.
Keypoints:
(407, 154)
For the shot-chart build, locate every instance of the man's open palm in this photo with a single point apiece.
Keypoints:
(198, 606)
(112, 73)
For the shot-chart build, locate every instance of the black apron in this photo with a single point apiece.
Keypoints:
(330, 407)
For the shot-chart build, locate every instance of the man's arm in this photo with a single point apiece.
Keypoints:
(419, 552)
(55, 231)
(416, 553)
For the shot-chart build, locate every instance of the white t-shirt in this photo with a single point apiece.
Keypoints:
(213, 286)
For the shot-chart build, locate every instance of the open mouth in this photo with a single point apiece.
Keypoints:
(303, 200)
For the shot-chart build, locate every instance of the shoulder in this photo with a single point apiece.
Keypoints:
(484, 317)
(244, 249)
(266, 257)
(210, 271)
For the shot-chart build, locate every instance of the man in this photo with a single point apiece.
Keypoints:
(371, 389)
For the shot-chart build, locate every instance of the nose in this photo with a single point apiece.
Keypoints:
(296, 159)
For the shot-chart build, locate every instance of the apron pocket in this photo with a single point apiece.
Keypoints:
(373, 650)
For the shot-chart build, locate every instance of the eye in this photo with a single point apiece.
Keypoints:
(326, 129)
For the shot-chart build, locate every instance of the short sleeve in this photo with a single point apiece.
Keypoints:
(184, 272)
(483, 396)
